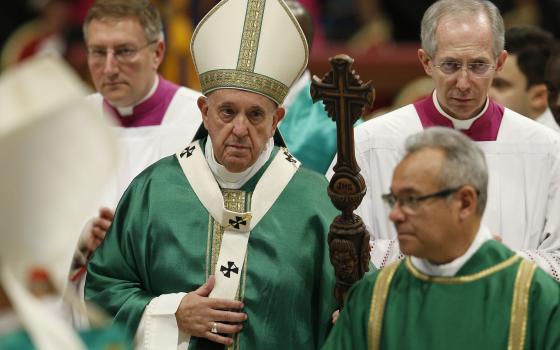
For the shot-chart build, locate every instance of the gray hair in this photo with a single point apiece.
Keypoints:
(464, 164)
(143, 10)
(464, 9)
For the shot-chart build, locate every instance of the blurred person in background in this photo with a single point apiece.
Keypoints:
(552, 74)
(43, 35)
(520, 85)
(365, 23)
(48, 189)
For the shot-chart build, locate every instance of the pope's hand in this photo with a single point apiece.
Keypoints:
(209, 318)
(92, 238)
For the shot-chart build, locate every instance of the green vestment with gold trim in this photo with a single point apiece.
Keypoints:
(163, 240)
(471, 310)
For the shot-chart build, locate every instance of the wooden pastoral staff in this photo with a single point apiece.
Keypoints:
(345, 96)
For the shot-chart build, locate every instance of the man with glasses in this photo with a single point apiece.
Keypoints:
(462, 48)
(457, 288)
(155, 117)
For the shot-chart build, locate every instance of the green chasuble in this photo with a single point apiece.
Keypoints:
(163, 240)
(472, 310)
(110, 338)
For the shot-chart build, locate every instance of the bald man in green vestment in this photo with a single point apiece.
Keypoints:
(457, 288)
(224, 243)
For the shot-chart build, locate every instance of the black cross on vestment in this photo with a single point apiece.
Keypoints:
(188, 151)
(289, 157)
(231, 268)
(238, 221)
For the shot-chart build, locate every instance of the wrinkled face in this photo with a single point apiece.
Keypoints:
(462, 94)
(509, 87)
(125, 78)
(239, 123)
(429, 229)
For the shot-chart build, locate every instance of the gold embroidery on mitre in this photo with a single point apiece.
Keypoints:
(231, 78)
(251, 34)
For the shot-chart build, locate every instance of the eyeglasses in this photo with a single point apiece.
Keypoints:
(123, 55)
(410, 203)
(477, 69)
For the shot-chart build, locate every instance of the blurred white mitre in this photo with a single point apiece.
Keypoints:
(56, 152)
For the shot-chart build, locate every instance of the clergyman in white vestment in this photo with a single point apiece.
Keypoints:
(523, 156)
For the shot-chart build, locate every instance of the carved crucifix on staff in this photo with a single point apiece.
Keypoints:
(345, 97)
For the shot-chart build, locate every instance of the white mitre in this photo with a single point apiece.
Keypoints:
(252, 45)
(56, 152)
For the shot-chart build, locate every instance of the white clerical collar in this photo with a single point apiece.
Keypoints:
(451, 269)
(227, 179)
(128, 111)
(459, 124)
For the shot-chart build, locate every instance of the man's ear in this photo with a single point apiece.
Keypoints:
(159, 53)
(502, 57)
(425, 60)
(202, 104)
(538, 98)
(468, 202)
(277, 118)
